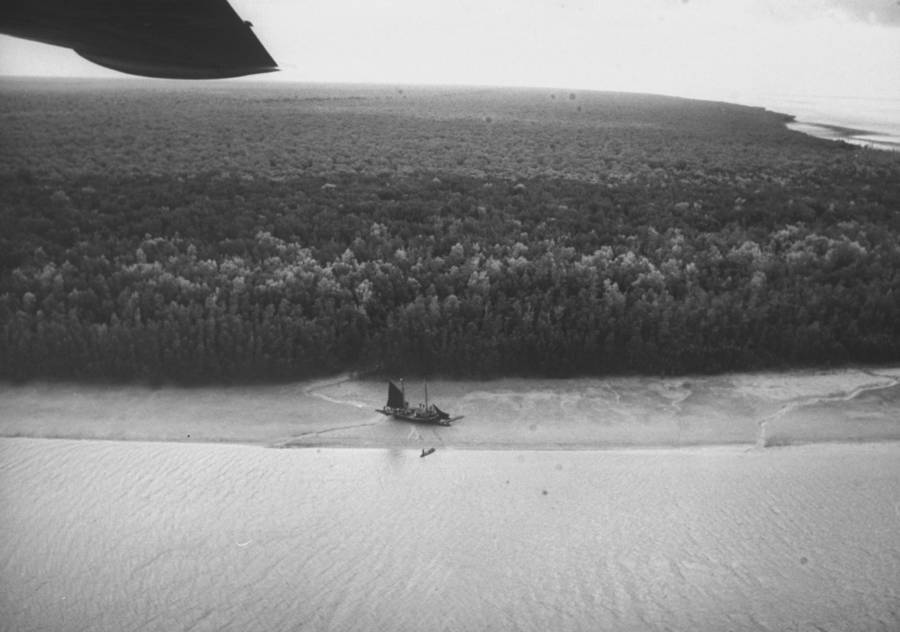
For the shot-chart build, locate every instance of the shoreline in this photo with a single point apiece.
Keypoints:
(858, 137)
(870, 122)
(687, 450)
(738, 447)
(747, 411)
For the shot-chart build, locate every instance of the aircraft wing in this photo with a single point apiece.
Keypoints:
(177, 39)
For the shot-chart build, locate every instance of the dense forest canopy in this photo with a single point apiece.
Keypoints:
(250, 232)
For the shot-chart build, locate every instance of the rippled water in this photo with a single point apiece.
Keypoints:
(117, 536)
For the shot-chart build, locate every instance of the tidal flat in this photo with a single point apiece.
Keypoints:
(625, 503)
(750, 409)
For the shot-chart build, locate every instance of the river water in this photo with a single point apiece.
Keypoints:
(107, 535)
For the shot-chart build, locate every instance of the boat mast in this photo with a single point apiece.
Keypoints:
(426, 395)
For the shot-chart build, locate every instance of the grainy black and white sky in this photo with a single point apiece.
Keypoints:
(722, 49)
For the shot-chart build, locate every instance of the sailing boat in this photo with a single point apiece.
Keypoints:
(398, 408)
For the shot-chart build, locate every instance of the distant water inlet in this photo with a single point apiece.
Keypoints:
(863, 138)
(114, 536)
(865, 122)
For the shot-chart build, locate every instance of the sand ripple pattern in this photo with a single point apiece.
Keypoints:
(156, 536)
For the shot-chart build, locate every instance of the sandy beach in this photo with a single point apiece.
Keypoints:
(740, 502)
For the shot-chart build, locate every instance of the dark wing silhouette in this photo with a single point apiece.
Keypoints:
(176, 39)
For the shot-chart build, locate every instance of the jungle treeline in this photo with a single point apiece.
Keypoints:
(711, 240)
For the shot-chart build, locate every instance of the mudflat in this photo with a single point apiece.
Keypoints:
(752, 409)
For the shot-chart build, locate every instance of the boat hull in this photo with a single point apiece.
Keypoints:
(415, 417)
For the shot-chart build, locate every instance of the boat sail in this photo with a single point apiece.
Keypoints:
(395, 397)
(398, 408)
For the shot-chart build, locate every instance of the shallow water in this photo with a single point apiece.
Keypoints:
(156, 536)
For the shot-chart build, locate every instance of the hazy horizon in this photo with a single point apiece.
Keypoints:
(740, 51)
